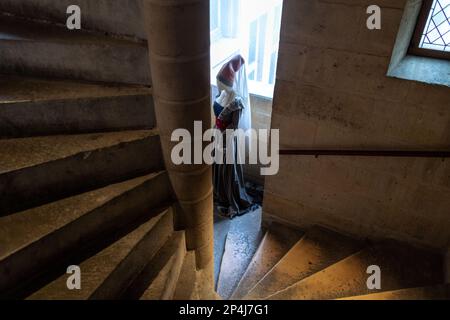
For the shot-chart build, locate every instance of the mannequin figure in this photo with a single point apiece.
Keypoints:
(232, 111)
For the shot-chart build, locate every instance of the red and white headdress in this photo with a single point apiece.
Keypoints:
(234, 76)
(227, 73)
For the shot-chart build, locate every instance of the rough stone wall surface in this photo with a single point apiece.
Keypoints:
(332, 92)
(261, 117)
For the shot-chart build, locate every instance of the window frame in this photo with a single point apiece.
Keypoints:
(414, 48)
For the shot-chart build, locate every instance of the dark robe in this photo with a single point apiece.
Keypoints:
(230, 195)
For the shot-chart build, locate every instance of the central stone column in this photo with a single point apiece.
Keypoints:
(178, 36)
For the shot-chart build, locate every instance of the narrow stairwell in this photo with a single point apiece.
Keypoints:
(83, 182)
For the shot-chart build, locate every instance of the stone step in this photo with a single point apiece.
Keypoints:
(440, 292)
(34, 240)
(38, 170)
(32, 106)
(221, 228)
(204, 287)
(113, 17)
(107, 273)
(158, 279)
(43, 50)
(401, 267)
(276, 243)
(316, 250)
(243, 239)
(185, 289)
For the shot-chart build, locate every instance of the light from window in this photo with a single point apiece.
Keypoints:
(436, 35)
(214, 15)
(273, 66)
(252, 44)
(250, 28)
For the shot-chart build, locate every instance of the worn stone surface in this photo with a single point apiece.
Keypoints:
(39, 238)
(316, 250)
(153, 282)
(113, 17)
(19, 89)
(261, 119)
(164, 285)
(31, 106)
(23, 228)
(179, 60)
(406, 199)
(242, 242)
(204, 286)
(17, 154)
(401, 267)
(332, 92)
(277, 241)
(185, 289)
(156, 289)
(51, 51)
(77, 163)
(111, 265)
(441, 292)
(221, 228)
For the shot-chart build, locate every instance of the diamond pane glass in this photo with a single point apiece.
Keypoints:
(436, 35)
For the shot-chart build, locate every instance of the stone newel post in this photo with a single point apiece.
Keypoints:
(178, 36)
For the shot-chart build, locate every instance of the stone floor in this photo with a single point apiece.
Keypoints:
(235, 243)
(221, 228)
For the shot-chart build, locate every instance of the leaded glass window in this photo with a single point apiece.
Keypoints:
(432, 37)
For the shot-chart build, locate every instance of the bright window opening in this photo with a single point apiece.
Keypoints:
(436, 35)
(250, 28)
(426, 58)
(432, 35)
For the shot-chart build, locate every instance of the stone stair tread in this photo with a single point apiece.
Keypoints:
(186, 282)
(41, 107)
(157, 288)
(20, 89)
(204, 288)
(16, 154)
(19, 29)
(52, 51)
(401, 267)
(154, 282)
(221, 228)
(38, 242)
(276, 243)
(96, 269)
(316, 250)
(242, 241)
(164, 285)
(111, 17)
(21, 229)
(439, 292)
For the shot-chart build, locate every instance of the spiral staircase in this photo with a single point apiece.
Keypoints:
(321, 264)
(82, 177)
(83, 182)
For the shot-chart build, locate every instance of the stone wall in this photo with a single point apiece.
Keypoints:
(261, 117)
(332, 92)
